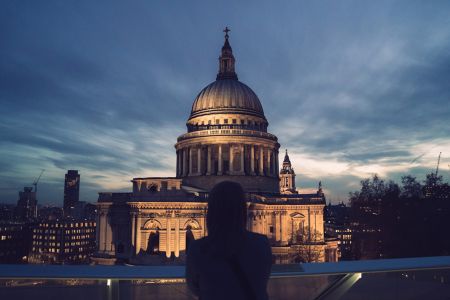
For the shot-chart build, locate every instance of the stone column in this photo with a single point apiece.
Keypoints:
(242, 171)
(184, 163)
(177, 236)
(105, 231)
(276, 226)
(252, 160)
(168, 231)
(279, 227)
(101, 232)
(269, 161)
(230, 151)
(208, 162)
(178, 164)
(309, 224)
(219, 171)
(277, 168)
(272, 160)
(199, 161)
(138, 233)
(133, 233)
(293, 235)
(315, 226)
(261, 161)
(191, 154)
(176, 172)
(263, 221)
(108, 242)
(283, 229)
(260, 224)
(265, 224)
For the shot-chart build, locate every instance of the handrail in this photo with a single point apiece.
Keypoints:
(177, 272)
(242, 132)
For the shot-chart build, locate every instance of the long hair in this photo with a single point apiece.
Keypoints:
(226, 218)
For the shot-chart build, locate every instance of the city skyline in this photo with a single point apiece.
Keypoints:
(106, 91)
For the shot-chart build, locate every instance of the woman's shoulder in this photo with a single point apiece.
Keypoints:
(197, 245)
(257, 238)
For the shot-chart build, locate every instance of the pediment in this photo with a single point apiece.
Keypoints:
(297, 215)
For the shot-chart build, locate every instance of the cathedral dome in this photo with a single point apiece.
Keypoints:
(227, 136)
(227, 96)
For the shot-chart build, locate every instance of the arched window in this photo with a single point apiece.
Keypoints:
(189, 236)
(153, 243)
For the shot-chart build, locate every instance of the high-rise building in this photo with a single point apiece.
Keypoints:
(71, 191)
(26, 209)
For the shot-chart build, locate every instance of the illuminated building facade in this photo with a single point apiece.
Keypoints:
(68, 242)
(226, 139)
(15, 241)
(338, 225)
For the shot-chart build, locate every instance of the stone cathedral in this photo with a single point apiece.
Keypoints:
(226, 139)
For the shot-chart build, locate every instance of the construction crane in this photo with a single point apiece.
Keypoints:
(437, 166)
(37, 180)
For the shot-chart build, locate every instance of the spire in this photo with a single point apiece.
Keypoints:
(320, 190)
(286, 158)
(287, 166)
(226, 60)
(287, 177)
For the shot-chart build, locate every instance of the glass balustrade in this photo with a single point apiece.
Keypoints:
(421, 278)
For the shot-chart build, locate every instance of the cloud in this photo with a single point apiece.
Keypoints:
(349, 88)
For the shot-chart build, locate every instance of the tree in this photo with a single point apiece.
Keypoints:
(405, 221)
(369, 208)
(310, 247)
(411, 188)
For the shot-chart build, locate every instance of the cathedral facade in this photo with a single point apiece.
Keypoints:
(226, 139)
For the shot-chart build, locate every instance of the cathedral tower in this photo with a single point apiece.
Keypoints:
(287, 177)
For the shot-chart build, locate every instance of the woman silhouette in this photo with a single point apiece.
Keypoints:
(231, 262)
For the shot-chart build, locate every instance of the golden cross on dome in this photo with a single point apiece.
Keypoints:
(226, 30)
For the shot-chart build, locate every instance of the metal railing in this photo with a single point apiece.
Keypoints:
(242, 132)
(348, 272)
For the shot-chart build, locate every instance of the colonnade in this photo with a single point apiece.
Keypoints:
(176, 240)
(227, 159)
(261, 222)
(172, 232)
(104, 233)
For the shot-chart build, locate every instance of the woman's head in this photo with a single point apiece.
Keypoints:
(227, 211)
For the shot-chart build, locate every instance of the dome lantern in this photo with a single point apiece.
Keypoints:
(226, 60)
(227, 96)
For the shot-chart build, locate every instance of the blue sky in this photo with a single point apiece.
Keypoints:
(351, 88)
